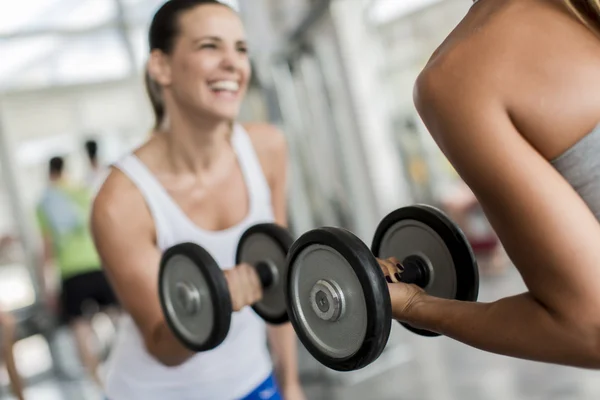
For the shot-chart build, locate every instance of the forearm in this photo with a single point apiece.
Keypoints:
(284, 347)
(166, 348)
(516, 326)
(45, 264)
(8, 340)
(45, 271)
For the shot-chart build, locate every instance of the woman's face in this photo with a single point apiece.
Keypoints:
(209, 69)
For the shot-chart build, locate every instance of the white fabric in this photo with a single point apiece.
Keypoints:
(95, 179)
(242, 361)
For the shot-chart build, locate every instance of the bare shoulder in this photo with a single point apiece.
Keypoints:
(510, 55)
(119, 202)
(508, 41)
(267, 138)
(270, 145)
(116, 190)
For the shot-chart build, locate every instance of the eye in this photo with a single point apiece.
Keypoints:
(211, 46)
(243, 49)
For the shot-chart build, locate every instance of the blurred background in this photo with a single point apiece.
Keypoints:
(337, 77)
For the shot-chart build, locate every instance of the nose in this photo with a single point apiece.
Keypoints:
(231, 60)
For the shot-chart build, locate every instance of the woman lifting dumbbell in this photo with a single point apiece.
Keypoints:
(512, 99)
(205, 179)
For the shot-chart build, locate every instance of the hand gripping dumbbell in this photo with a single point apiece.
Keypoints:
(336, 293)
(194, 294)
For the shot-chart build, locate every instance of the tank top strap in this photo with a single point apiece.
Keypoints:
(155, 195)
(254, 175)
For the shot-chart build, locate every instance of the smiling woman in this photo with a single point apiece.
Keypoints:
(195, 60)
(202, 178)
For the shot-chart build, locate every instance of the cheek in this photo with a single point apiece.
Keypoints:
(246, 71)
(197, 68)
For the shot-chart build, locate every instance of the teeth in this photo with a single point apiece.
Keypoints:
(230, 86)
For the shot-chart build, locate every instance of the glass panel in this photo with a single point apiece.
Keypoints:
(51, 60)
(140, 11)
(15, 15)
(138, 37)
(95, 57)
(383, 11)
(22, 53)
(54, 14)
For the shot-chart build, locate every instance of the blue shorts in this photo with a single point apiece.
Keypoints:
(268, 390)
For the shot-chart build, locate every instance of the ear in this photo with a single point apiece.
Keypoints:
(159, 68)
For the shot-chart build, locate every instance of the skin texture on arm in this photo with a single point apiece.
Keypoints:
(271, 148)
(124, 235)
(8, 330)
(546, 228)
(46, 244)
(45, 268)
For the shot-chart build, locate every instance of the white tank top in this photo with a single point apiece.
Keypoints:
(242, 362)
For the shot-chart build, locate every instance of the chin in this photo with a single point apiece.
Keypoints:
(225, 115)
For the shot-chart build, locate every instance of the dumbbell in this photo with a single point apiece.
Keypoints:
(194, 294)
(337, 296)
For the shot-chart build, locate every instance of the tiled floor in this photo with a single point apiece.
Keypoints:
(415, 368)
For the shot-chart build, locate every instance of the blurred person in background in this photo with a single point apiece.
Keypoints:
(8, 328)
(8, 337)
(97, 172)
(63, 215)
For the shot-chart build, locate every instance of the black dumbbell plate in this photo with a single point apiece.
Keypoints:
(337, 299)
(194, 296)
(427, 232)
(268, 243)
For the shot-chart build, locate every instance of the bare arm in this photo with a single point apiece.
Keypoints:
(7, 341)
(546, 228)
(271, 145)
(45, 264)
(124, 236)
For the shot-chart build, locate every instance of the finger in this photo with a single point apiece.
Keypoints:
(229, 273)
(243, 286)
(397, 263)
(388, 269)
(249, 283)
(396, 269)
(232, 277)
(255, 285)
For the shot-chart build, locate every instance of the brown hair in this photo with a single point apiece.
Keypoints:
(164, 29)
(588, 11)
(155, 94)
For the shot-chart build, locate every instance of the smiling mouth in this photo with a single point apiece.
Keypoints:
(225, 87)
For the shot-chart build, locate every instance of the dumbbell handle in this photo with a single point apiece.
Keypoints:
(265, 273)
(415, 271)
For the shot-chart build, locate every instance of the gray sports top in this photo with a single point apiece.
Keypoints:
(580, 166)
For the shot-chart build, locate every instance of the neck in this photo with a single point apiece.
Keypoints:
(193, 144)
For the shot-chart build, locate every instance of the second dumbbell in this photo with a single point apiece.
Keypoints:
(195, 296)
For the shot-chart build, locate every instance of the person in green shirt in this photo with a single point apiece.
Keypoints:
(63, 216)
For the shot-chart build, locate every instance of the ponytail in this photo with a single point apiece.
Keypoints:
(155, 94)
(588, 11)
